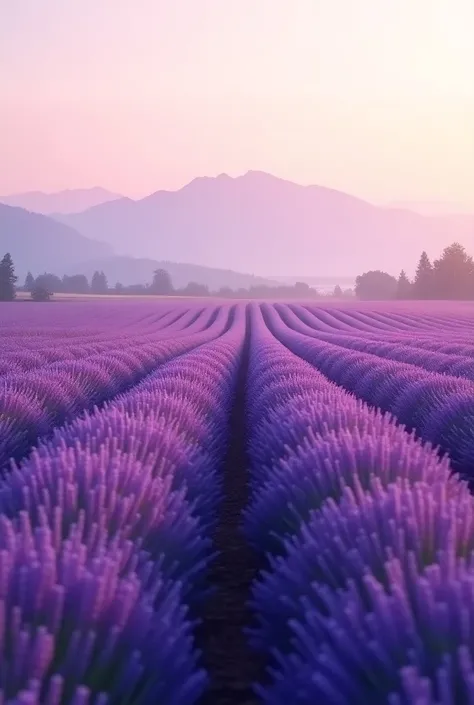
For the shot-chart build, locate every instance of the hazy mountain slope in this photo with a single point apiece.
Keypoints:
(259, 223)
(128, 270)
(38, 243)
(433, 207)
(70, 201)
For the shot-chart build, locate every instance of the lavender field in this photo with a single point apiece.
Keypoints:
(236, 503)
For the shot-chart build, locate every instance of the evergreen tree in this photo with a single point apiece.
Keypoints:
(161, 284)
(29, 282)
(99, 283)
(7, 278)
(337, 293)
(453, 274)
(423, 284)
(404, 286)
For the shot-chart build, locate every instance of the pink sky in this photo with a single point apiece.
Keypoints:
(373, 97)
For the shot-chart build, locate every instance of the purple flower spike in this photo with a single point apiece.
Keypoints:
(69, 613)
(358, 535)
(299, 485)
(414, 640)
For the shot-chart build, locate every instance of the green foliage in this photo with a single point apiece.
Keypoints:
(7, 278)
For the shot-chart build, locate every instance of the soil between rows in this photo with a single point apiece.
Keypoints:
(230, 663)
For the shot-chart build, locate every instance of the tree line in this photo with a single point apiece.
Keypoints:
(44, 286)
(451, 277)
(164, 286)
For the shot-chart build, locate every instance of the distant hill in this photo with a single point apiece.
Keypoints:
(263, 224)
(129, 270)
(433, 208)
(38, 243)
(72, 201)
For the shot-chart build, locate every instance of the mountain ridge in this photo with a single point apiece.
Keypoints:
(257, 222)
(139, 270)
(60, 202)
(38, 243)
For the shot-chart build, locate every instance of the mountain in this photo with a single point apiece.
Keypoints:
(130, 270)
(433, 207)
(259, 223)
(38, 243)
(72, 201)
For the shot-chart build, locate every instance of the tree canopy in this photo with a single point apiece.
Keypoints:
(161, 283)
(99, 284)
(40, 293)
(376, 285)
(449, 277)
(453, 274)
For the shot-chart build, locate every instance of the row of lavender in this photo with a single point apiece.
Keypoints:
(395, 323)
(368, 592)
(22, 351)
(439, 407)
(438, 340)
(408, 349)
(105, 538)
(34, 402)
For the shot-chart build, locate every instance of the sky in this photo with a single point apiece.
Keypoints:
(372, 97)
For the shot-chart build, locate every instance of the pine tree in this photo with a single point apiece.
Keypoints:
(7, 278)
(404, 286)
(99, 283)
(104, 283)
(423, 284)
(29, 282)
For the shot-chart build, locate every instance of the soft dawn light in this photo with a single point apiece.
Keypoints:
(374, 97)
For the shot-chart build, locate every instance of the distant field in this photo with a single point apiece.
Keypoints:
(23, 295)
(429, 306)
(318, 440)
